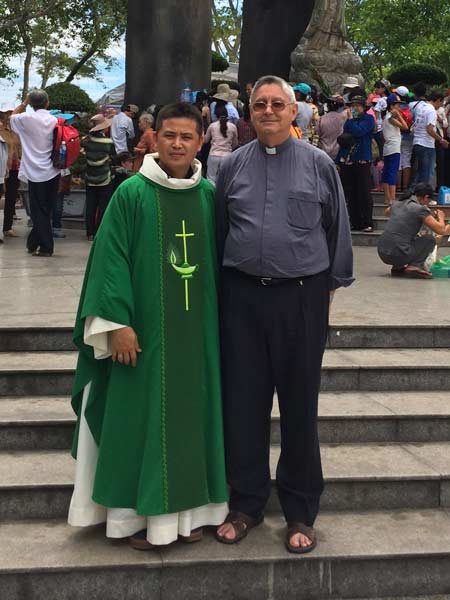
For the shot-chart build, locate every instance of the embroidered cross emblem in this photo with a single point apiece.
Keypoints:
(186, 271)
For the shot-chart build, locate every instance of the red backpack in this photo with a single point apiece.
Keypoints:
(62, 159)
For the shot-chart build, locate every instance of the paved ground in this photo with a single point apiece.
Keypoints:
(38, 291)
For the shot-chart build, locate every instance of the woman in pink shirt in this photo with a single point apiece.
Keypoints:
(224, 139)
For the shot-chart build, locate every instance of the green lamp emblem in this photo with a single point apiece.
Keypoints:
(186, 271)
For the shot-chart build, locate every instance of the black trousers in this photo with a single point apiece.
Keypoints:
(97, 199)
(273, 337)
(42, 196)
(357, 183)
(11, 192)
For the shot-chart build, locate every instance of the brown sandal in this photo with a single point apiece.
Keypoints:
(309, 532)
(242, 524)
(196, 536)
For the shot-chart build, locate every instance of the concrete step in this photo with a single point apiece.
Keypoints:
(51, 373)
(27, 339)
(36, 373)
(47, 423)
(379, 222)
(359, 555)
(36, 423)
(360, 238)
(38, 484)
(49, 339)
(392, 336)
(378, 209)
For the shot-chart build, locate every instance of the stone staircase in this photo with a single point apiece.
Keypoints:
(384, 529)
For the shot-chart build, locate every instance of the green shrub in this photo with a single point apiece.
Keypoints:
(412, 73)
(219, 64)
(69, 97)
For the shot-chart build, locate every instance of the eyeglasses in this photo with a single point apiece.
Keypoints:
(276, 105)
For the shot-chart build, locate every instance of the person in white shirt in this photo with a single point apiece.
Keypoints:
(393, 125)
(224, 139)
(35, 129)
(425, 134)
(122, 128)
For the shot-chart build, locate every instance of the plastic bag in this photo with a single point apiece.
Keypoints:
(441, 268)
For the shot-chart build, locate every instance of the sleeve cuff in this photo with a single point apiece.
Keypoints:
(96, 332)
(337, 282)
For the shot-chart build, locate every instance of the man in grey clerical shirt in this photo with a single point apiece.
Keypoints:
(284, 244)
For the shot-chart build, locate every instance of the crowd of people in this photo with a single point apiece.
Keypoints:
(388, 140)
(176, 374)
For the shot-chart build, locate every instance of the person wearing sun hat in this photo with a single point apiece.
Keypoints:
(98, 149)
(224, 97)
(354, 160)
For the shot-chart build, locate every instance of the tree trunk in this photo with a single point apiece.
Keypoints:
(83, 60)
(27, 62)
(168, 47)
(271, 30)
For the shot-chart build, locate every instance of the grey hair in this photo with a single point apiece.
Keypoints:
(38, 99)
(147, 117)
(273, 80)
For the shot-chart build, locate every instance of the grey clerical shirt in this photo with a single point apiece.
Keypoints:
(281, 213)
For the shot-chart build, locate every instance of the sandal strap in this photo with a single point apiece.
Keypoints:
(297, 527)
(240, 521)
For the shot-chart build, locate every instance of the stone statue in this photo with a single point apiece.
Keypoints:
(324, 48)
(327, 26)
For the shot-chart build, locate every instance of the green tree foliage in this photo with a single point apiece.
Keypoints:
(414, 72)
(67, 41)
(227, 27)
(218, 62)
(69, 97)
(390, 33)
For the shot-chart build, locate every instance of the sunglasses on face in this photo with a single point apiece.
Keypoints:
(275, 105)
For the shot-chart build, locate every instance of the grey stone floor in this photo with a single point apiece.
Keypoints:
(44, 292)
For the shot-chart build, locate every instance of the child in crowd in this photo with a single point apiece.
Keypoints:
(122, 170)
(393, 125)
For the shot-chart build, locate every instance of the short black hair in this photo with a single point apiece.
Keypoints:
(423, 188)
(420, 89)
(436, 95)
(180, 110)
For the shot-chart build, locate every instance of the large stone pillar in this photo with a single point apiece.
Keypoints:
(168, 45)
(271, 30)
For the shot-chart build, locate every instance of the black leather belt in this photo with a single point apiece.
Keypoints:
(270, 281)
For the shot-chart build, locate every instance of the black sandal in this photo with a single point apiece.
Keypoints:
(309, 532)
(242, 524)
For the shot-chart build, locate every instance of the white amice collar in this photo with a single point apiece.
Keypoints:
(151, 170)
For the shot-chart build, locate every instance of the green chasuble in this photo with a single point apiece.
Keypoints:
(158, 427)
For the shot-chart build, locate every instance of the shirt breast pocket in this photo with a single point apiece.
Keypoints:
(304, 210)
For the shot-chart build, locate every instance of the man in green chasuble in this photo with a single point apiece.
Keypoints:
(149, 441)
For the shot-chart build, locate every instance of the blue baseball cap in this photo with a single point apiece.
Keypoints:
(392, 99)
(303, 88)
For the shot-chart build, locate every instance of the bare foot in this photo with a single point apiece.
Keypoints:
(227, 531)
(299, 540)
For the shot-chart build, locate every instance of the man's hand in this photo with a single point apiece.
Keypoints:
(444, 144)
(124, 346)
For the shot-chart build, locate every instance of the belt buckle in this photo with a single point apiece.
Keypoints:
(266, 280)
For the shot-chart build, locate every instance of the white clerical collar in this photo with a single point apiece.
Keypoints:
(151, 169)
(270, 150)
